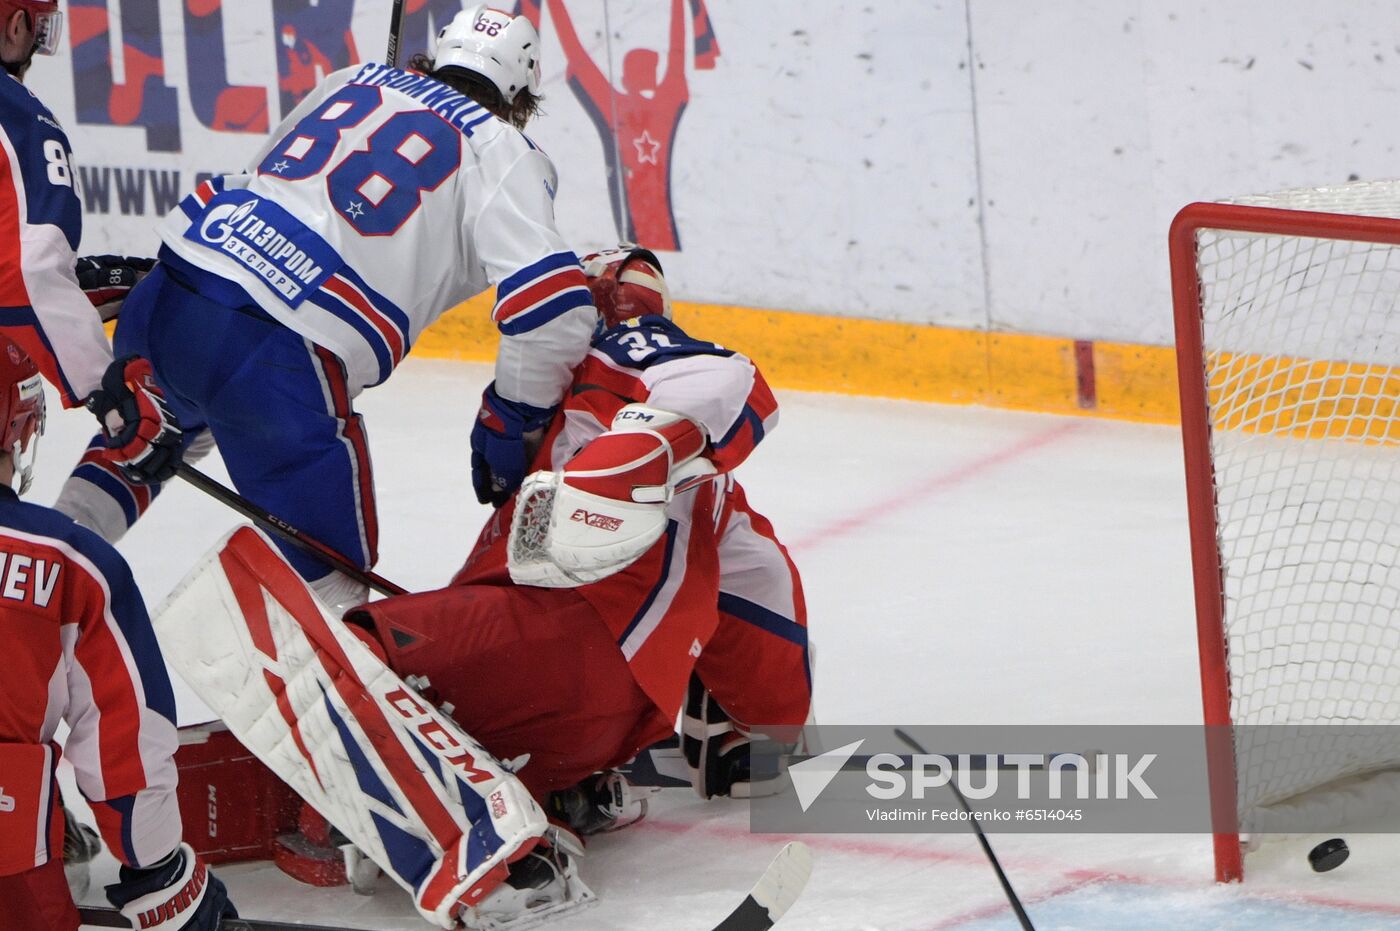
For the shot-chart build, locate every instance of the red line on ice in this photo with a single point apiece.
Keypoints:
(933, 485)
(1072, 879)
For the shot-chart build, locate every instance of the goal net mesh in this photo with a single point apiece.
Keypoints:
(1302, 370)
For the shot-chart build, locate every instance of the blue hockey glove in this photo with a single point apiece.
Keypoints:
(499, 454)
(177, 894)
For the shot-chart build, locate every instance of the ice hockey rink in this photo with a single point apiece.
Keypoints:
(963, 565)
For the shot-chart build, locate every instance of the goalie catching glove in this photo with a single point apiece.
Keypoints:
(608, 505)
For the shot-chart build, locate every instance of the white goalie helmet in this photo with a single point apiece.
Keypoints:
(502, 48)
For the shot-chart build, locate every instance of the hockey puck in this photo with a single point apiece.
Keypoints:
(1328, 855)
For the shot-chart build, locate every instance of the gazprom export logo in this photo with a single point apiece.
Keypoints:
(220, 221)
(267, 241)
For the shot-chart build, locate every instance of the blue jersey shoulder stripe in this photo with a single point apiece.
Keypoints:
(532, 271)
(549, 310)
(127, 607)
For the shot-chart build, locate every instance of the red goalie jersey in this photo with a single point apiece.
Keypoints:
(580, 679)
(662, 608)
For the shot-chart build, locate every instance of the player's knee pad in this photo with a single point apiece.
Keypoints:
(718, 750)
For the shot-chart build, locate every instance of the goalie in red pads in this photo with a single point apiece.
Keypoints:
(630, 577)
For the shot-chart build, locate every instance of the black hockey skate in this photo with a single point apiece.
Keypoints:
(603, 802)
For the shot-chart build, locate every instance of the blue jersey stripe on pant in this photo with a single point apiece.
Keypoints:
(277, 405)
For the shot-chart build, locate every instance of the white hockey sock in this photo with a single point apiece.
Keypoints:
(339, 592)
(92, 507)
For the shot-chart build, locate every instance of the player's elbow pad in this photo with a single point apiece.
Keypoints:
(608, 505)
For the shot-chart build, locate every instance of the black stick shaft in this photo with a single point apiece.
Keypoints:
(274, 524)
(1011, 896)
(395, 34)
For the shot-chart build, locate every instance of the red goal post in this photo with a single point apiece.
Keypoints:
(1270, 391)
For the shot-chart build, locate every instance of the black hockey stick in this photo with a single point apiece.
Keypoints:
(1011, 896)
(391, 58)
(662, 765)
(767, 902)
(774, 893)
(274, 524)
(102, 917)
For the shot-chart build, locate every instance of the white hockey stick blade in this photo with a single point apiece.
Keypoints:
(774, 893)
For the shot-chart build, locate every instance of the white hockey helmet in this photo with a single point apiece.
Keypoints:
(502, 48)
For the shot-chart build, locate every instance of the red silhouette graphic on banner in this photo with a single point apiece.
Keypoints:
(637, 122)
(217, 104)
(143, 98)
(315, 40)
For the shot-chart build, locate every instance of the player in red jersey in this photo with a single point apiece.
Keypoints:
(80, 649)
(643, 592)
(46, 293)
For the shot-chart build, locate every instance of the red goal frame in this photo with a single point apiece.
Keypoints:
(1200, 473)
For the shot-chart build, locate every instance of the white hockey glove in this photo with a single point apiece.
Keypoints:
(608, 506)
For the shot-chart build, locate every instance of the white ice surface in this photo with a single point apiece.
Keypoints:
(962, 566)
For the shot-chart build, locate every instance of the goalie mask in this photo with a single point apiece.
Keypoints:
(627, 282)
(502, 48)
(21, 409)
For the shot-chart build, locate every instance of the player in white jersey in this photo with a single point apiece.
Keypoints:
(387, 197)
